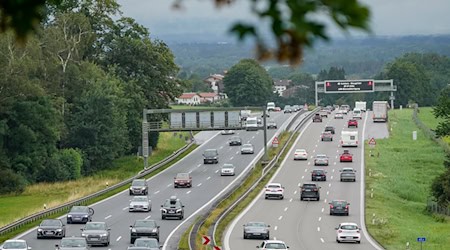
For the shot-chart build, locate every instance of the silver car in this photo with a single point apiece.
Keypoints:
(73, 243)
(96, 233)
(146, 243)
(15, 245)
(247, 149)
(321, 159)
(256, 230)
(140, 203)
(227, 169)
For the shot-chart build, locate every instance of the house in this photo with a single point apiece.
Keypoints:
(189, 98)
(209, 97)
(281, 86)
(215, 82)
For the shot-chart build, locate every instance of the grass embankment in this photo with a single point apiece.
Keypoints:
(34, 197)
(401, 178)
(427, 117)
(183, 244)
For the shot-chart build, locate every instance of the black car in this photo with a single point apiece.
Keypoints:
(144, 228)
(80, 214)
(331, 129)
(318, 175)
(309, 191)
(51, 228)
(339, 207)
(211, 156)
(172, 208)
(235, 141)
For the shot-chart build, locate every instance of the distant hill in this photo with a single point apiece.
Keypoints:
(364, 57)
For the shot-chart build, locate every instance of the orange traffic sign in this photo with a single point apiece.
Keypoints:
(372, 141)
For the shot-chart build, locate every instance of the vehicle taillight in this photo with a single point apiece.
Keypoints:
(315, 189)
(313, 173)
(280, 190)
(267, 189)
(331, 206)
(357, 231)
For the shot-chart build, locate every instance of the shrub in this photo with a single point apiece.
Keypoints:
(11, 182)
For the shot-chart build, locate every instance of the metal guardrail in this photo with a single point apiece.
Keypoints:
(85, 200)
(204, 216)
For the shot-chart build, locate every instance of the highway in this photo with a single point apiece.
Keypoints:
(307, 224)
(207, 185)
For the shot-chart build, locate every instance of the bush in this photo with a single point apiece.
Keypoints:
(62, 166)
(11, 182)
(440, 188)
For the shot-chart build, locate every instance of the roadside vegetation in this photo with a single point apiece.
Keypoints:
(426, 115)
(401, 178)
(35, 196)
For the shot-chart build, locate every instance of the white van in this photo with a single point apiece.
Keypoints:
(251, 124)
(349, 139)
(270, 106)
(357, 114)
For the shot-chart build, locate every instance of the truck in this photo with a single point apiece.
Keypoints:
(361, 106)
(245, 113)
(270, 106)
(349, 139)
(380, 111)
(252, 124)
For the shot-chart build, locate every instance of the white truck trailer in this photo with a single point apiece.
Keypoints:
(380, 111)
(361, 106)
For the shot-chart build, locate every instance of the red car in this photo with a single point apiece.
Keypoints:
(346, 157)
(352, 123)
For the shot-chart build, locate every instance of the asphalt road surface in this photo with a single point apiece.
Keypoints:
(308, 224)
(207, 185)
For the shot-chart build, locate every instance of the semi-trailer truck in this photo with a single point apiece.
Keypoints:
(380, 111)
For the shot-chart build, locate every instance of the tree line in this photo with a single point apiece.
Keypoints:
(71, 97)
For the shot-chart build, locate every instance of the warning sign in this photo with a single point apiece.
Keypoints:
(275, 140)
(372, 142)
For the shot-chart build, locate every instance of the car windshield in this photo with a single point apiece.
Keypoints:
(95, 226)
(321, 156)
(347, 170)
(256, 224)
(227, 166)
(145, 223)
(349, 227)
(73, 243)
(300, 151)
(172, 203)
(247, 146)
(183, 176)
(235, 138)
(139, 198)
(138, 183)
(51, 223)
(15, 245)
(320, 171)
(275, 246)
(273, 186)
(210, 153)
(79, 209)
(309, 185)
(146, 243)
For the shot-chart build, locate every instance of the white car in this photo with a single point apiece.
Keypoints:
(227, 169)
(227, 132)
(300, 154)
(339, 115)
(140, 203)
(348, 232)
(274, 190)
(15, 245)
(273, 244)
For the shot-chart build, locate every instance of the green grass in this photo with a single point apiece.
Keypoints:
(427, 117)
(401, 179)
(34, 197)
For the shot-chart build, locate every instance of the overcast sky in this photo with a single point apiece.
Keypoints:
(201, 18)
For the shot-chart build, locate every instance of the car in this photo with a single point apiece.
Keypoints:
(331, 129)
(144, 228)
(247, 149)
(318, 175)
(15, 245)
(346, 157)
(227, 169)
(321, 159)
(296, 108)
(182, 180)
(171, 208)
(348, 174)
(274, 190)
(80, 214)
(256, 230)
(96, 233)
(300, 154)
(211, 156)
(287, 109)
(227, 132)
(138, 187)
(277, 109)
(309, 191)
(140, 203)
(235, 141)
(339, 115)
(323, 113)
(146, 243)
(141, 248)
(352, 123)
(273, 244)
(317, 118)
(339, 207)
(51, 228)
(271, 124)
(72, 243)
(326, 136)
(348, 232)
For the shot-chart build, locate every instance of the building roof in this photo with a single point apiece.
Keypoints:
(207, 95)
(284, 82)
(187, 95)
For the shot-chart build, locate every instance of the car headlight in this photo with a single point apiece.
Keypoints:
(85, 216)
(69, 215)
(83, 234)
(164, 210)
(133, 230)
(104, 235)
(39, 230)
(155, 230)
(59, 230)
(179, 210)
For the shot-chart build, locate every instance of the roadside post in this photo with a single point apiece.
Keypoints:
(372, 144)
(421, 240)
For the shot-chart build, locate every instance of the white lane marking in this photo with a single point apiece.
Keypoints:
(275, 228)
(295, 192)
(335, 157)
(253, 137)
(221, 147)
(320, 218)
(299, 184)
(334, 163)
(332, 177)
(125, 208)
(318, 229)
(285, 209)
(148, 217)
(156, 192)
(337, 151)
(316, 146)
(199, 165)
(313, 152)
(188, 192)
(205, 170)
(169, 185)
(325, 201)
(321, 239)
(303, 177)
(209, 177)
(107, 217)
(329, 185)
(328, 192)
(237, 152)
(290, 200)
(309, 163)
(199, 185)
(281, 217)
(333, 170)
(231, 158)
(323, 209)
(217, 171)
(306, 170)
(118, 238)
(190, 171)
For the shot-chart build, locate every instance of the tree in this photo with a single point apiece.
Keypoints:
(248, 84)
(442, 110)
(293, 23)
